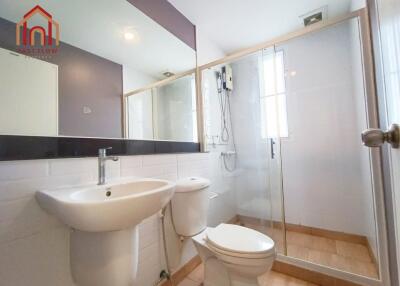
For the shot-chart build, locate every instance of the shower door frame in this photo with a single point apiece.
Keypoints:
(373, 122)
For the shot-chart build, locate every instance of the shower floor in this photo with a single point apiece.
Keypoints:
(350, 256)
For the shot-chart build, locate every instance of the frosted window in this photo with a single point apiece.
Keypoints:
(273, 101)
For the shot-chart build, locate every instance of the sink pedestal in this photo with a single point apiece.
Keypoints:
(104, 258)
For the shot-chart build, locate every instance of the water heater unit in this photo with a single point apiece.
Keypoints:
(227, 77)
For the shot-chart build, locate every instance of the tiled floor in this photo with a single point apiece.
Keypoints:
(342, 255)
(270, 279)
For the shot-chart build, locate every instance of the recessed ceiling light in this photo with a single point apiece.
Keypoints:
(129, 36)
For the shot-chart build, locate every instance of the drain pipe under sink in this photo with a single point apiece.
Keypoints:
(165, 275)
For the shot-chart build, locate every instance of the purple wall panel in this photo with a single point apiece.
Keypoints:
(84, 80)
(165, 14)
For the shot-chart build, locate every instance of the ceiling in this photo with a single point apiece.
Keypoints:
(98, 26)
(236, 24)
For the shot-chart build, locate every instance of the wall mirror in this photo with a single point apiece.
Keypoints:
(66, 65)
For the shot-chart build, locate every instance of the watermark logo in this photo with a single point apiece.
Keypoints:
(38, 41)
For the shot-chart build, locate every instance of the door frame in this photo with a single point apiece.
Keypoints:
(388, 190)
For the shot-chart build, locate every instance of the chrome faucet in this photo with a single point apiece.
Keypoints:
(102, 164)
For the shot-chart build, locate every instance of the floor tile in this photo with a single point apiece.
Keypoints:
(323, 244)
(346, 256)
(299, 252)
(353, 250)
(320, 257)
(300, 239)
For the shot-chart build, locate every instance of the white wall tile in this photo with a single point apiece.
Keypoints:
(29, 220)
(131, 162)
(149, 270)
(112, 169)
(72, 166)
(23, 169)
(38, 260)
(199, 168)
(187, 158)
(169, 177)
(155, 171)
(154, 160)
(16, 189)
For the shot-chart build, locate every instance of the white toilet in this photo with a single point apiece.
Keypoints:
(232, 255)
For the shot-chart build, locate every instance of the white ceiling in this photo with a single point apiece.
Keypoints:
(235, 24)
(98, 26)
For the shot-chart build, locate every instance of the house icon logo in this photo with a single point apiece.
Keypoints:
(28, 35)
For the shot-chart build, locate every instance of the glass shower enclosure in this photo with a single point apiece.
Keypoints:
(288, 137)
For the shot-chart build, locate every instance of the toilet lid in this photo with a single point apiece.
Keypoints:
(239, 239)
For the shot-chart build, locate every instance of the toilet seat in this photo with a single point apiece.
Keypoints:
(240, 242)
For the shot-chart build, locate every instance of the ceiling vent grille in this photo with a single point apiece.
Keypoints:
(314, 16)
(168, 74)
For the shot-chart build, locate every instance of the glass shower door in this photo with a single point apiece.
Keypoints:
(254, 169)
(327, 181)
(274, 127)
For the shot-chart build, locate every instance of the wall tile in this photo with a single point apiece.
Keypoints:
(113, 169)
(187, 158)
(29, 220)
(150, 171)
(188, 168)
(10, 190)
(131, 162)
(23, 169)
(153, 160)
(38, 260)
(72, 166)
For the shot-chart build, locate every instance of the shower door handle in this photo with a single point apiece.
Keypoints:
(272, 143)
(376, 137)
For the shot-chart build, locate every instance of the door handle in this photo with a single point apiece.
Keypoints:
(376, 137)
(272, 143)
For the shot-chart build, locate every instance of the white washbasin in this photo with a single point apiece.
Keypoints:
(110, 207)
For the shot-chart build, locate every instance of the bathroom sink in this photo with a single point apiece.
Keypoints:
(111, 207)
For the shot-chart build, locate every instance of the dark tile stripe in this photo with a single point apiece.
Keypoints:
(37, 147)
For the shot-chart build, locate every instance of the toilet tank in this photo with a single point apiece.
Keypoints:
(190, 206)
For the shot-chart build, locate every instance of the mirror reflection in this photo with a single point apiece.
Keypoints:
(64, 70)
(155, 113)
